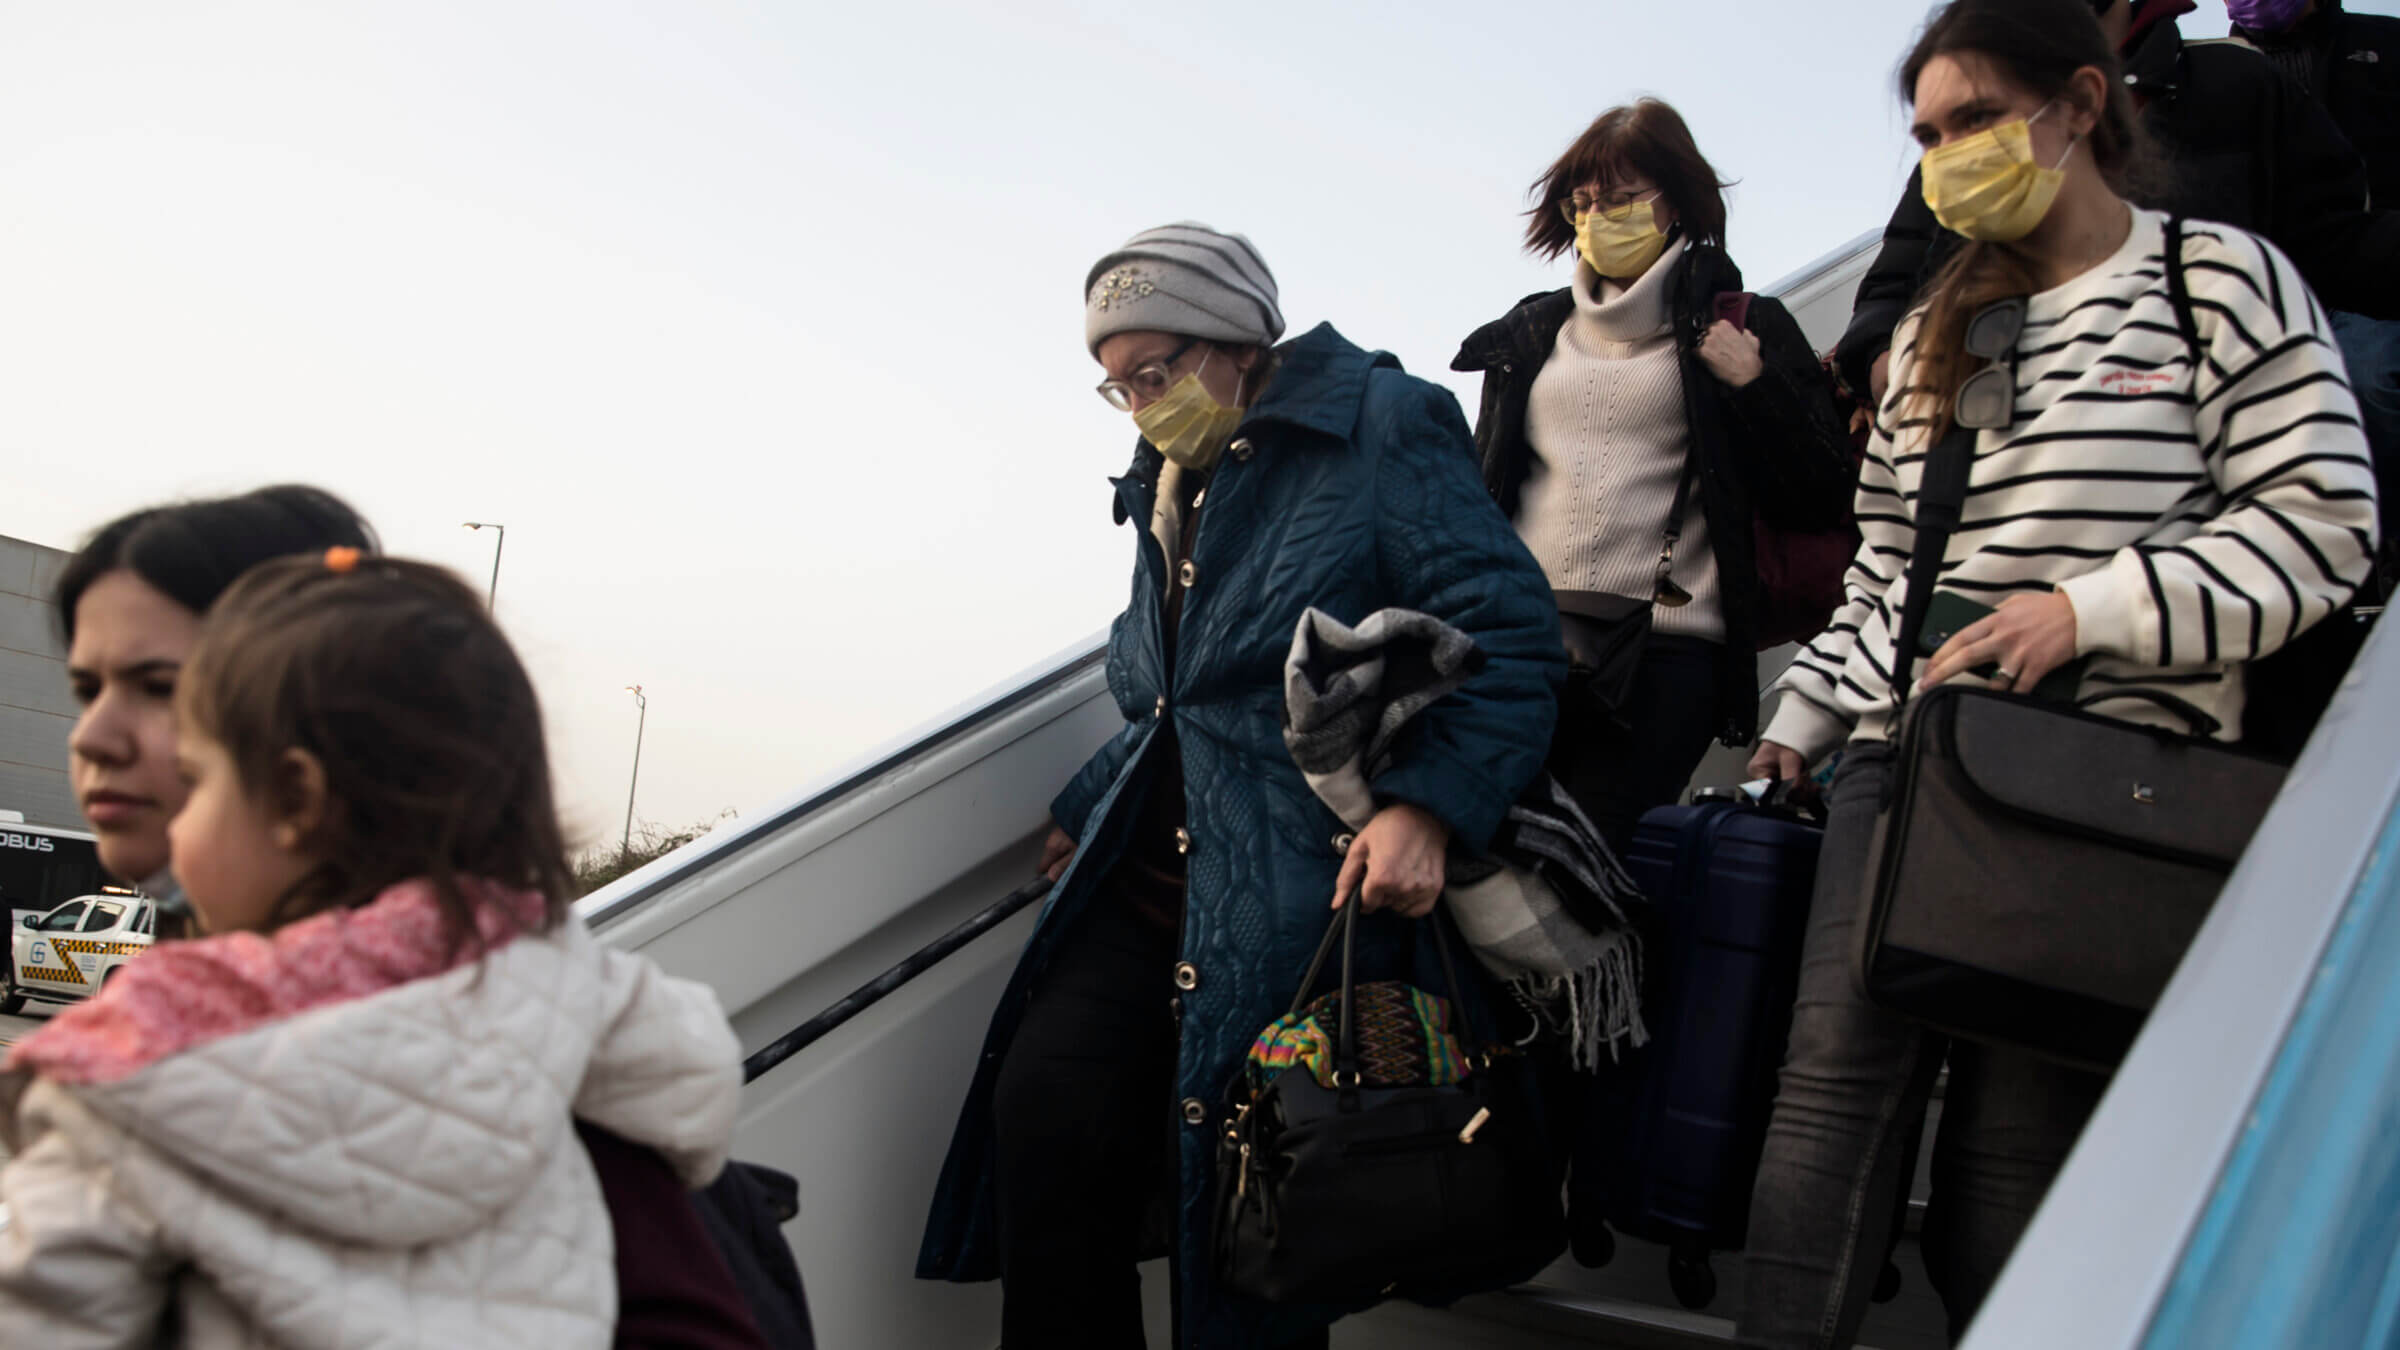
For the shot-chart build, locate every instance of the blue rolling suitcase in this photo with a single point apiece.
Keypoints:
(1730, 884)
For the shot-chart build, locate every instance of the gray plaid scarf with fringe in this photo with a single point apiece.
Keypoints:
(1545, 910)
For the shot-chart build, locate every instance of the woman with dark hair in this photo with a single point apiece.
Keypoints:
(2161, 491)
(263, 1135)
(1634, 431)
(129, 602)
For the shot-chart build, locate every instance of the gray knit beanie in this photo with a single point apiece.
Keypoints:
(1183, 278)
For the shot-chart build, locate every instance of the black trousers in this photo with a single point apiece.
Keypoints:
(1086, 1122)
(1616, 772)
(1084, 1114)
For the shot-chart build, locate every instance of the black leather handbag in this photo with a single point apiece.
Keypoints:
(1369, 1184)
(2038, 870)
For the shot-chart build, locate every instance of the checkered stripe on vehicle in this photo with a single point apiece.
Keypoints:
(66, 972)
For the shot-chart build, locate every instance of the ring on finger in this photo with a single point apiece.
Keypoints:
(2006, 677)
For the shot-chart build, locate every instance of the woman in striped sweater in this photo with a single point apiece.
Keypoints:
(2164, 509)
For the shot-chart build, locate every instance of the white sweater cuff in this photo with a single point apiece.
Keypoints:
(2110, 617)
(1805, 727)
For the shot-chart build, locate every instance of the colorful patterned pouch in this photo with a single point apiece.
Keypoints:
(1404, 1040)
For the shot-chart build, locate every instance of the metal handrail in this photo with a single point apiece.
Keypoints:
(872, 992)
(1825, 266)
(620, 898)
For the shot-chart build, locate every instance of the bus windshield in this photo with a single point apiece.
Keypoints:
(40, 869)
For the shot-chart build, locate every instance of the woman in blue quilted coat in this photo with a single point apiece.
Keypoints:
(1196, 870)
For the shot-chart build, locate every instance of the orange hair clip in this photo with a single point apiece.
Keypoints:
(341, 558)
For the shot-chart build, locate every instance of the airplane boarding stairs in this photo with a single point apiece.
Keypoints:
(842, 891)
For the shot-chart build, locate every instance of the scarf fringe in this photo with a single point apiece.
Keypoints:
(1596, 1007)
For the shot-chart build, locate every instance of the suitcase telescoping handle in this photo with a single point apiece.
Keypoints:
(1780, 795)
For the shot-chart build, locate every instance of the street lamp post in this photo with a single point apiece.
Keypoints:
(625, 848)
(492, 597)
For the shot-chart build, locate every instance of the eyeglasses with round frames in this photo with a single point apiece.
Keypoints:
(1581, 202)
(1150, 383)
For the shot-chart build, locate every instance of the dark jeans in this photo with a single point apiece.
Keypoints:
(1614, 771)
(2371, 351)
(1854, 1088)
(1084, 1113)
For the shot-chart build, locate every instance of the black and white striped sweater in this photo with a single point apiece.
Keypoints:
(2196, 519)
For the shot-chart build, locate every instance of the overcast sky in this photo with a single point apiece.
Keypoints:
(760, 324)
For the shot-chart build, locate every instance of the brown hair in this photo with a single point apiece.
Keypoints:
(392, 675)
(2037, 45)
(1648, 139)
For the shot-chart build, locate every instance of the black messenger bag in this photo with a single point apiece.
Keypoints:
(2038, 870)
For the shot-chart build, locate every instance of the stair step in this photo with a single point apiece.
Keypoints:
(1540, 1317)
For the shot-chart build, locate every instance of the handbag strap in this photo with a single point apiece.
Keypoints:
(1661, 584)
(1941, 502)
(1316, 963)
(2179, 295)
(1344, 929)
(1345, 1047)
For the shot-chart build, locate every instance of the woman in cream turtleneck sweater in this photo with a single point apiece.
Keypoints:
(1623, 420)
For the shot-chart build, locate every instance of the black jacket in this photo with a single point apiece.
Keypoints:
(2242, 145)
(2351, 64)
(1776, 446)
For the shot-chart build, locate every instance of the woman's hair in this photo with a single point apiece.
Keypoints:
(2037, 45)
(392, 675)
(192, 551)
(1643, 139)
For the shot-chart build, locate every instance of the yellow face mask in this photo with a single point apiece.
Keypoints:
(1987, 186)
(1188, 425)
(1620, 242)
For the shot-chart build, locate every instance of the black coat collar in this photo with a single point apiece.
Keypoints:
(1527, 332)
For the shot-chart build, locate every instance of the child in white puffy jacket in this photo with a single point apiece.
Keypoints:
(342, 1117)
